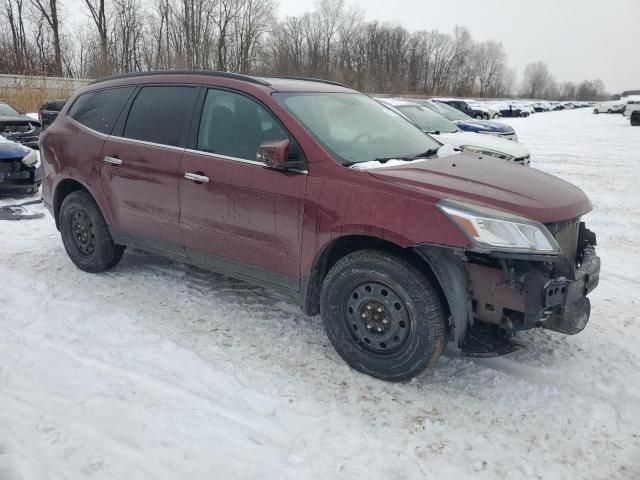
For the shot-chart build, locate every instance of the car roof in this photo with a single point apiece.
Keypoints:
(280, 84)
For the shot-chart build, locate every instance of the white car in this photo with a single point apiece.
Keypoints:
(447, 132)
(615, 106)
(491, 112)
(632, 104)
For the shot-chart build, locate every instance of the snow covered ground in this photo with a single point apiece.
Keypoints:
(157, 370)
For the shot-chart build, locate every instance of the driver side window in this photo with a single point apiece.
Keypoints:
(235, 125)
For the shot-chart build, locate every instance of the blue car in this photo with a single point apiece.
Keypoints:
(20, 170)
(468, 124)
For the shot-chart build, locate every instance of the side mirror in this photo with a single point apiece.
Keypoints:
(274, 154)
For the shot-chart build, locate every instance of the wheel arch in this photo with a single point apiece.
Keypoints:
(62, 190)
(339, 247)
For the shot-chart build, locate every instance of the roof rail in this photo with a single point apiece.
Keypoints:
(209, 73)
(309, 79)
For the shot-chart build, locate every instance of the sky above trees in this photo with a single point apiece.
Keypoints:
(334, 39)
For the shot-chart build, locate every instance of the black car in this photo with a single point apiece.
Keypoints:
(465, 107)
(18, 127)
(49, 111)
(509, 110)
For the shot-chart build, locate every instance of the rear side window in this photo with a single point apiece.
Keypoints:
(159, 114)
(55, 106)
(99, 110)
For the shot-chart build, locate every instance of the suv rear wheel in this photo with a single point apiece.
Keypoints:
(382, 315)
(85, 234)
(635, 119)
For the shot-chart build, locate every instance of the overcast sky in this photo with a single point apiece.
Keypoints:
(578, 39)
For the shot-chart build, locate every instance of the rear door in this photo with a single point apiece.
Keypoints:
(236, 215)
(141, 166)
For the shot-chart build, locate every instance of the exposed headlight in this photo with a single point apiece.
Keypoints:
(32, 159)
(486, 151)
(491, 229)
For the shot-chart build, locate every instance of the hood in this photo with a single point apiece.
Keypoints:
(18, 119)
(491, 142)
(485, 126)
(493, 183)
(9, 149)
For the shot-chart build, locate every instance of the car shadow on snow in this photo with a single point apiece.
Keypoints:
(275, 310)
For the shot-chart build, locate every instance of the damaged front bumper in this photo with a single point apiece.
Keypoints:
(16, 178)
(491, 296)
(527, 294)
(566, 301)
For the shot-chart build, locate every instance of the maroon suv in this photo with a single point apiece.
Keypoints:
(315, 189)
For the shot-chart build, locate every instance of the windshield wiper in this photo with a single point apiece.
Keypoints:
(407, 158)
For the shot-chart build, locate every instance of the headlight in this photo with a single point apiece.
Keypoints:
(492, 229)
(487, 152)
(32, 159)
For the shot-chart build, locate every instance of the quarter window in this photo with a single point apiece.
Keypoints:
(99, 110)
(235, 125)
(159, 114)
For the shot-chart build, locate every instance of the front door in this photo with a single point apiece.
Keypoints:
(237, 215)
(141, 167)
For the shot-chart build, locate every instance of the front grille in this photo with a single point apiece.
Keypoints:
(12, 165)
(13, 128)
(566, 234)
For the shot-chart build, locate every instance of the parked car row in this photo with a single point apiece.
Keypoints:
(494, 109)
(347, 204)
(628, 106)
(447, 132)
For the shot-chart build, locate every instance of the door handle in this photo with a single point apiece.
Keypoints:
(197, 177)
(112, 160)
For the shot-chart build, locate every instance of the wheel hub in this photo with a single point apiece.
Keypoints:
(83, 233)
(378, 317)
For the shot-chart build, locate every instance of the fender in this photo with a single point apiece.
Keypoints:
(449, 267)
(58, 187)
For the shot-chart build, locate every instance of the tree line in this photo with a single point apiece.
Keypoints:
(333, 42)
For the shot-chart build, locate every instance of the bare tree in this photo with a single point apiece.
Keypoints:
(333, 41)
(127, 35)
(99, 16)
(250, 27)
(49, 11)
(536, 80)
(488, 64)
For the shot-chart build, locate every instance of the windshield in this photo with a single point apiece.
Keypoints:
(447, 111)
(8, 110)
(428, 120)
(356, 128)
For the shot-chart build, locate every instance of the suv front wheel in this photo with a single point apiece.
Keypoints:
(85, 234)
(383, 315)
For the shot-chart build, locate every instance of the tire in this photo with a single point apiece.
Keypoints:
(635, 120)
(85, 234)
(497, 115)
(366, 285)
(478, 117)
(609, 111)
(596, 111)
